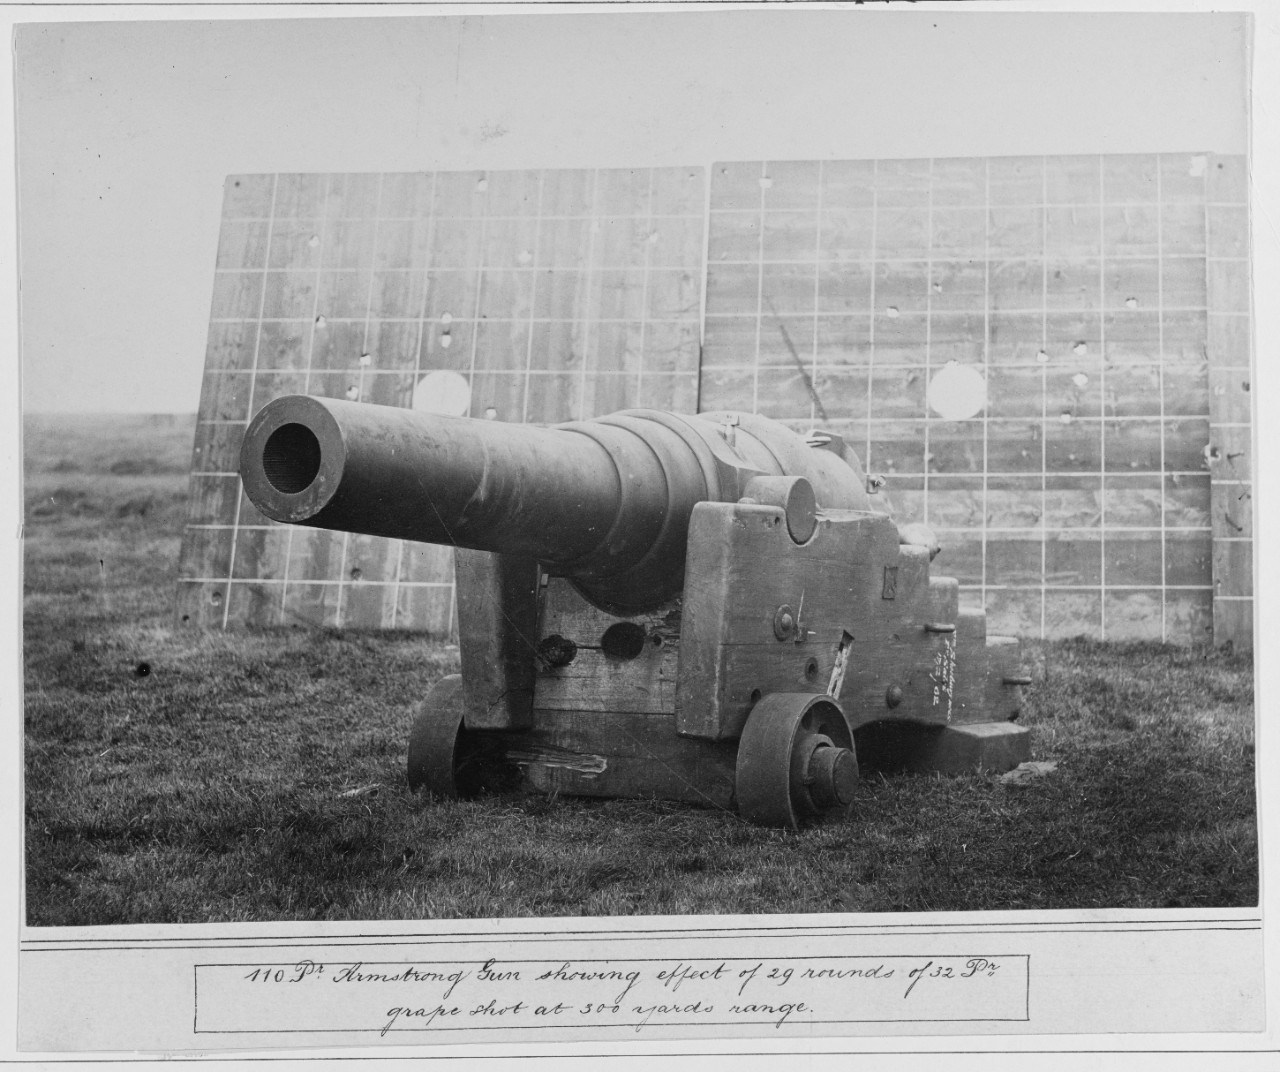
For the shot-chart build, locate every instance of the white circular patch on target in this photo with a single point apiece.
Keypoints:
(957, 392)
(442, 391)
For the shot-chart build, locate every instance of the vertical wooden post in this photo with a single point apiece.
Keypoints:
(1229, 351)
(498, 635)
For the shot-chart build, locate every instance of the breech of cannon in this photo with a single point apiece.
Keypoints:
(605, 503)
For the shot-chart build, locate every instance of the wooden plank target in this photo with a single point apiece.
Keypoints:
(539, 296)
(1100, 303)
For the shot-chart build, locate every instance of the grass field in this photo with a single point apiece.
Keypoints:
(174, 776)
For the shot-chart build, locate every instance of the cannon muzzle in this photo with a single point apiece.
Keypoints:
(605, 503)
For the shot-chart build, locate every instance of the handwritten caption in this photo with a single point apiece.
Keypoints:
(638, 995)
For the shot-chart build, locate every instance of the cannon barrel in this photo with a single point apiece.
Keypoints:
(604, 502)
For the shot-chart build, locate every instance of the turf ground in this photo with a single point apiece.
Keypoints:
(176, 776)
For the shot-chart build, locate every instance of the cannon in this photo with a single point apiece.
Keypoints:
(698, 608)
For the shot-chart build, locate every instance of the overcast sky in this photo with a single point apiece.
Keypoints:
(126, 130)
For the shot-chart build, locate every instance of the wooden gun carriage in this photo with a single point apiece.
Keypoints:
(699, 608)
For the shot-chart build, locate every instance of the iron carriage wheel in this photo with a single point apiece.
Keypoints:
(796, 760)
(445, 758)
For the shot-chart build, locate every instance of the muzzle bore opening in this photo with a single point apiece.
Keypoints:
(291, 458)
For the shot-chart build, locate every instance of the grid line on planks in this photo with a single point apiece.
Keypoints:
(1076, 285)
(555, 294)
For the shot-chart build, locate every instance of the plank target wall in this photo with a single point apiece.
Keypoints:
(1089, 494)
(1229, 352)
(555, 295)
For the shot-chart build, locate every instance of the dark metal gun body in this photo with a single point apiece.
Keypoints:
(605, 503)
